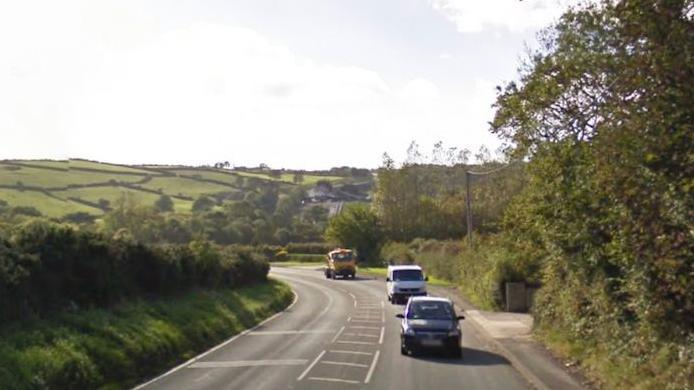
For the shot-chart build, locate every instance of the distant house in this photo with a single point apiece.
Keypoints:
(320, 194)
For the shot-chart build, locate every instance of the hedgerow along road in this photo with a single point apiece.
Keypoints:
(338, 334)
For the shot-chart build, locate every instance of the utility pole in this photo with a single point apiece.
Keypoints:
(468, 206)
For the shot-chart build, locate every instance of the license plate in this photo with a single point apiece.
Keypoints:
(431, 342)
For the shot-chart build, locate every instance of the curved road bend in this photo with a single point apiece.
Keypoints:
(339, 334)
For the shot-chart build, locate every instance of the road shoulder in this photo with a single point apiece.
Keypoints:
(511, 335)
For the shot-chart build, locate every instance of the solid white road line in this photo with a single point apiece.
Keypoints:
(209, 351)
(350, 352)
(372, 368)
(344, 364)
(364, 327)
(338, 334)
(281, 332)
(315, 378)
(303, 374)
(359, 335)
(355, 342)
(383, 331)
(249, 363)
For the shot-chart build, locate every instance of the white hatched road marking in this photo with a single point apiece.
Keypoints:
(303, 374)
(372, 368)
(338, 334)
(249, 363)
(355, 342)
(350, 352)
(360, 335)
(344, 364)
(315, 378)
(363, 327)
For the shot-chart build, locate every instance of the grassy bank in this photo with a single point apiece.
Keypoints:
(122, 346)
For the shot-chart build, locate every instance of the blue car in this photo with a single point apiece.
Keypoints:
(430, 323)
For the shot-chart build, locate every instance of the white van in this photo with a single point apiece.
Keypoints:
(405, 281)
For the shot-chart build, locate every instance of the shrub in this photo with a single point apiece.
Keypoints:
(46, 266)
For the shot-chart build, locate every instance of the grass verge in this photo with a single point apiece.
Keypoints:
(296, 264)
(121, 347)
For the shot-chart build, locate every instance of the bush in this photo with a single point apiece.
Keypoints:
(397, 253)
(315, 248)
(46, 266)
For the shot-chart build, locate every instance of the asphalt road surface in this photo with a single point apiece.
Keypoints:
(339, 334)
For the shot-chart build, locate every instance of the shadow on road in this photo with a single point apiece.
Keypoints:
(471, 357)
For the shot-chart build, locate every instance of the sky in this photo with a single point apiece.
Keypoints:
(301, 84)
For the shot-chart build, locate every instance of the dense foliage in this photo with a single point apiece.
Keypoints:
(357, 227)
(262, 217)
(46, 266)
(426, 196)
(604, 112)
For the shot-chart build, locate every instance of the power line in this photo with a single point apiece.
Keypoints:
(468, 197)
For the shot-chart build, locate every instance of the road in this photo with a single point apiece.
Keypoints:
(338, 334)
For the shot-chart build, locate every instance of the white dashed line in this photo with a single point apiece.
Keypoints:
(383, 331)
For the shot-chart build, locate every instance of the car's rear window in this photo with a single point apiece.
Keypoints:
(342, 256)
(430, 311)
(407, 275)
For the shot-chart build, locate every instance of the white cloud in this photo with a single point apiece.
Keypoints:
(516, 15)
(111, 84)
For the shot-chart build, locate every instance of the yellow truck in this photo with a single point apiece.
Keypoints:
(341, 262)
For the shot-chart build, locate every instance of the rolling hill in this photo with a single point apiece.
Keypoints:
(58, 188)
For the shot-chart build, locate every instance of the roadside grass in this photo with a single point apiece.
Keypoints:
(122, 346)
(296, 264)
(610, 371)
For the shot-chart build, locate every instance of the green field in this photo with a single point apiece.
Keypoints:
(63, 185)
(289, 177)
(185, 186)
(48, 206)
